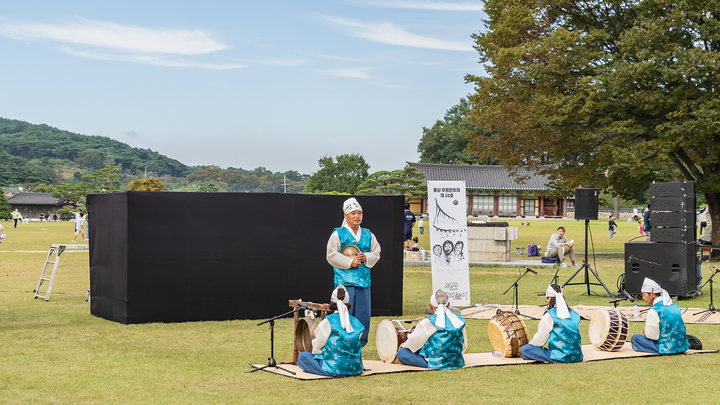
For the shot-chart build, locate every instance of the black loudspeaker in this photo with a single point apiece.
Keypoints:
(673, 189)
(586, 203)
(672, 204)
(675, 267)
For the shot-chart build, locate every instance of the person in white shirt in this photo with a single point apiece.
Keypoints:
(559, 246)
(79, 222)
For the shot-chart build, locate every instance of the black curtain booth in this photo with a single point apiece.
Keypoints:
(178, 257)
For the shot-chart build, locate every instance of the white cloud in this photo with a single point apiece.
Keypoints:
(156, 60)
(390, 34)
(428, 5)
(115, 36)
(353, 73)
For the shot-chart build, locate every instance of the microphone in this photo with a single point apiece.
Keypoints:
(628, 296)
(529, 269)
(628, 259)
(306, 306)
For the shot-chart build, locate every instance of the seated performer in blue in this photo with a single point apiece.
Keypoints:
(559, 327)
(664, 327)
(438, 341)
(336, 348)
(353, 271)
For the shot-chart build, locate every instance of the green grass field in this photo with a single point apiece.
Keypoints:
(58, 353)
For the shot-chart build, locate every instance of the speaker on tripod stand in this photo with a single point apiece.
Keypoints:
(586, 203)
(586, 208)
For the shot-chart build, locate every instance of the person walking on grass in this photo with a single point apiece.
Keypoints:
(612, 226)
(79, 222)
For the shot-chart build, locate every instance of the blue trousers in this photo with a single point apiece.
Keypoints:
(405, 356)
(530, 352)
(360, 300)
(309, 364)
(612, 232)
(642, 344)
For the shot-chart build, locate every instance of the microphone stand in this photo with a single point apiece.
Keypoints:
(271, 359)
(711, 309)
(555, 280)
(515, 285)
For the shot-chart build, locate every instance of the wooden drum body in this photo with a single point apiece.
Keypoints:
(388, 339)
(507, 333)
(608, 329)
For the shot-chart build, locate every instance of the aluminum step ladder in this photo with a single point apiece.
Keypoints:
(58, 250)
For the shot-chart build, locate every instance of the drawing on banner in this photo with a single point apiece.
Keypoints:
(444, 222)
(448, 255)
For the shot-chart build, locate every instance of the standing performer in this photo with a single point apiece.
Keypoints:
(354, 273)
(336, 348)
(664, 331)
(434, 343)
(559, 327)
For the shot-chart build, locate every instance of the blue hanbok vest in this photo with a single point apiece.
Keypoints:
(443, 350)
(673, 337)
(342, 352)
(564, 341)
(358, 276)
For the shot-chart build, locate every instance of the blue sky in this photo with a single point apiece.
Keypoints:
(244, 84)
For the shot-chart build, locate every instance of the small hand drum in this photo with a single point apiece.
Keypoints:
(608, 329)
(350, 251)
(388, 339)
(507, 333)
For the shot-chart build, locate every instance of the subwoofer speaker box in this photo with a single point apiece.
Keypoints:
(586, 203)
(675, 267)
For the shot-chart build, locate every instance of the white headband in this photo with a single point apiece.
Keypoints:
(342, 309)
(560, 304)
(442, 312)
(652, 287)
(351, 205)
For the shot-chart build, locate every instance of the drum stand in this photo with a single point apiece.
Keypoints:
(710, 310)
(587, 267)
(271, 359)
(515, 285)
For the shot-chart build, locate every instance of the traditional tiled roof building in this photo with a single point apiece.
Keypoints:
(492, 191)
(31, 205)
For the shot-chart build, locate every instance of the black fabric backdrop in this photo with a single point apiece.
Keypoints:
(177, 257)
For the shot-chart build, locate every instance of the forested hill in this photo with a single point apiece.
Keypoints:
(30, 141)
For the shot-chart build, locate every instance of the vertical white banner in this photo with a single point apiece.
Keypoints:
(448, 240)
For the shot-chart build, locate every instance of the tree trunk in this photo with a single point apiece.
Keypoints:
(616, 208)
(713, 200)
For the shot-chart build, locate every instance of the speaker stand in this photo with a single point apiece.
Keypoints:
(588, 269)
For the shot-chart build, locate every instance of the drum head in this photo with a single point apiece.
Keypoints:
(386, 341)
(498, 340)
(350, 251)
(599, 327)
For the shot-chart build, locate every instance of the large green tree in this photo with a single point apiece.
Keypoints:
(105, 180)
(342, 175)
(447, 141)
(4, 206)
(407, 182)
(614, 93)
